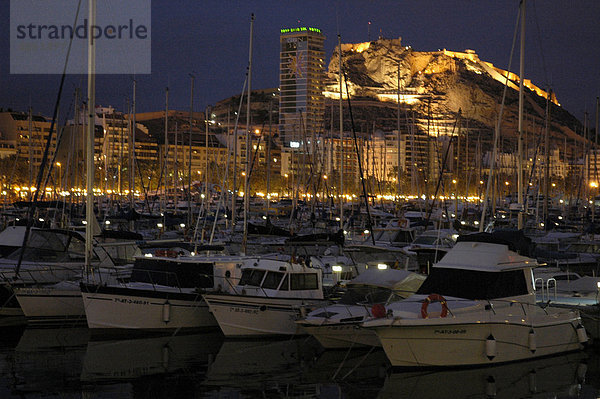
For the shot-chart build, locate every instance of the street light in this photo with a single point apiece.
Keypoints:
(59, 175)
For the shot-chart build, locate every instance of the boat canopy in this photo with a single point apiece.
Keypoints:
(484, 256)
(387, 278)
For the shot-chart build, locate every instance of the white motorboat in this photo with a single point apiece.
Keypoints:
(337, 325)
(50, 257)
(565, 289)
(268, 299)
(477, 307)
(163, 294)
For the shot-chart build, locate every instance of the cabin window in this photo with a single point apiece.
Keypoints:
(306, 281)
(252, 277)
(173, 274)
(474, 284)
(285, 286)
(272, 280)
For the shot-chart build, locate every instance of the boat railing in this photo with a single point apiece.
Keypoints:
(546, 288)
(50, 274)
(170, 278)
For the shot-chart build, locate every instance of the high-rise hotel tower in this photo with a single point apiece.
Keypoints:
(301, 76)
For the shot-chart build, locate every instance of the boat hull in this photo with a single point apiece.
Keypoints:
(46, 305)
(474, 344)
(250, 316)
(112, 308)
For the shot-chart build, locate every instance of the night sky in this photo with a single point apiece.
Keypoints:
(210, 39)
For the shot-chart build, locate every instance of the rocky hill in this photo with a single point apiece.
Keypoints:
(436, 85)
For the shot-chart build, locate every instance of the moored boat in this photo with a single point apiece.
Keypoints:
(477, 307)
(337, 325)
(268, 299)
(163, 294)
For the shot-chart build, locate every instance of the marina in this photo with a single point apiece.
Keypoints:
(385, 221)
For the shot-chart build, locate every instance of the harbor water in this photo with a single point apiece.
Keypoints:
(70, 363)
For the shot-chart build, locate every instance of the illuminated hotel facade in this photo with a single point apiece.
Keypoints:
(301, 77)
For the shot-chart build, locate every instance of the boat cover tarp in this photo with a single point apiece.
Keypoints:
(268, 229)
(514, 239)
(393, 279)
(336, 238)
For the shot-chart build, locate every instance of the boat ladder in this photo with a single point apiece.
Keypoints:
(546, 288)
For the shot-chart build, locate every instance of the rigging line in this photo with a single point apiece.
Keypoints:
(443, 166)
(32, 207)
(539, 40)
(362, 178)
(59, 138)
(496, 136)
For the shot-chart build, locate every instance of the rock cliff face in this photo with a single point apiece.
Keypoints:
(436, 85)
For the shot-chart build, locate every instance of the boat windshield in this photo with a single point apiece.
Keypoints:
(252, 277)
(365, 294)
(474, 284)
(51, 246)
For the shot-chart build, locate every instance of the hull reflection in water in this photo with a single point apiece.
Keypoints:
(253, 363)
(561, 376)
(44, 356)
(134, 358)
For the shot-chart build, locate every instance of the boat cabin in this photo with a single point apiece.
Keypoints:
(481, 271)
(278, 278)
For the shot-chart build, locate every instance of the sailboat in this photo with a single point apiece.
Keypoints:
(62, 300)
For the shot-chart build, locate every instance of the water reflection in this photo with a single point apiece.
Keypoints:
(45, 356)
(561, 376)
(130, 359)
(69, 363)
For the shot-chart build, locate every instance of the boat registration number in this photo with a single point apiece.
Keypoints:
(451, 331)
(132, 301)
(243, 310)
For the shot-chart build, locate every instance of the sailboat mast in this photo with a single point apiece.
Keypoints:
(189, 193)
(547, 165)
(520, 144)
(341, 193)
(269, 158)
(165, 198)
(398, 135)
(91, 107)
(247, 177)
(30, 143)
(132, 153)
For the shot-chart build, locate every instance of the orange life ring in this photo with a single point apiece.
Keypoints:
(434, 298)
(403, 223)
(378, 311)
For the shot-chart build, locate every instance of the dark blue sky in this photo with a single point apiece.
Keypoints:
(210, 38)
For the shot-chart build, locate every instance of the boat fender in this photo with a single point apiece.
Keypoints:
(581, 372)
(166, 312)
(581, 334)
(490, 387)
(434, 298)
(165, 357)
(531, 341)
(378, 311)
(532, 382)
(490, 347)
(262, 308)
